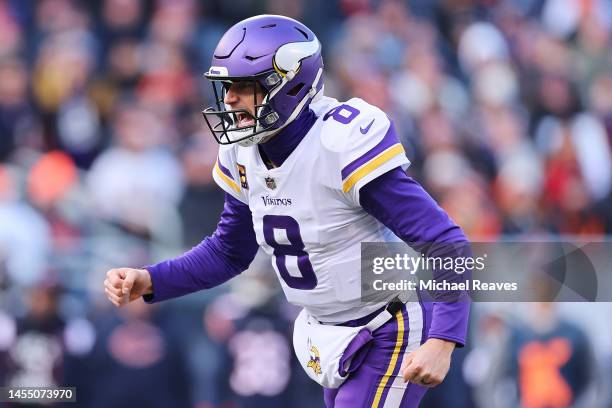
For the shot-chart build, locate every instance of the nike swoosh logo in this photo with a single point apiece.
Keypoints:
(365, 130)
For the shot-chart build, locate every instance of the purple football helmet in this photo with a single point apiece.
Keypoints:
(280, 57)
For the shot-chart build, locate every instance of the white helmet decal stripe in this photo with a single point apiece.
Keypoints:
(288, 56)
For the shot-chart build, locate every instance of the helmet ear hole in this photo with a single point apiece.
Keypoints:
(296, 89)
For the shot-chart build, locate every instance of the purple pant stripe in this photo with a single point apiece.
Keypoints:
(393, 324)
(359, 390)
(414, 392)
(400, 357)
(400, 391)
(413, 395)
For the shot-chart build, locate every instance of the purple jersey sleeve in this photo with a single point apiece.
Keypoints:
(402, 205)
(218, 258)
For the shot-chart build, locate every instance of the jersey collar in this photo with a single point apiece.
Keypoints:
(283, 144)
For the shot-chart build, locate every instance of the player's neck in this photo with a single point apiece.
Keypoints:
(276, 150)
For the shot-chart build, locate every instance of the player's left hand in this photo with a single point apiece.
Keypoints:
(428, 364)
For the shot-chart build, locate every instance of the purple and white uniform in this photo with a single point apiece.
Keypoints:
(339, 181)
(306, 212)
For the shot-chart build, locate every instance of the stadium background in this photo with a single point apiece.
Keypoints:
(505, 110)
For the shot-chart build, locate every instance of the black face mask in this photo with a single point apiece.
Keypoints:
(223, 123)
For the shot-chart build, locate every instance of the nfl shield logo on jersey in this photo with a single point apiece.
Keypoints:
(270, 183)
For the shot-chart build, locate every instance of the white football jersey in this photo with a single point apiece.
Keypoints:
(306, 213)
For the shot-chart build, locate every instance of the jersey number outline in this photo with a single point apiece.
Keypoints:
(337, 114)
(308, 280)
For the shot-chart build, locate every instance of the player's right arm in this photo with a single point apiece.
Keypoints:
(218, 258)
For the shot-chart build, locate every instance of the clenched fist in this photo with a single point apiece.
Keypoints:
(429, 364)
(122, 285)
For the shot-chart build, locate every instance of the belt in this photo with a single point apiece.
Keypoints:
(394, 306)
(379, 317)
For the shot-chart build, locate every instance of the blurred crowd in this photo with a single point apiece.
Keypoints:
(505, 110)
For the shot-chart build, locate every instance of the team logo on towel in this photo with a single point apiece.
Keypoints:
(315, 358)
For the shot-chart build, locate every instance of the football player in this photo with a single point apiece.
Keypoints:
(308, 178)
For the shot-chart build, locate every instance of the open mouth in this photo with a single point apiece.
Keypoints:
(244, 119)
